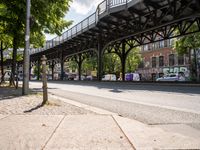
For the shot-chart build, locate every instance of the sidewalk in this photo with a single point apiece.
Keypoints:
(65, 124)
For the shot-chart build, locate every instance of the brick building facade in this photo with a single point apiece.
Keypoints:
(159, 59)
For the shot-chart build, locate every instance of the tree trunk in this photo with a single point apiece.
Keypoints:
(14, 60)
(2, 69)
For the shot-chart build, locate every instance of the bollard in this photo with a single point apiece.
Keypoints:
(44, 80)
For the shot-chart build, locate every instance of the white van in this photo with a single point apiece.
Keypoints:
(7, 75)
(109, 77)
(136, 77)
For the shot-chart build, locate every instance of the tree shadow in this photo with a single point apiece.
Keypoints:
(32, 109)
(9, 93)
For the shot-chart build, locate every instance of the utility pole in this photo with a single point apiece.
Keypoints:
(26, 50)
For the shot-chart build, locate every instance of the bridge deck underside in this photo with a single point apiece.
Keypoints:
(138, 20)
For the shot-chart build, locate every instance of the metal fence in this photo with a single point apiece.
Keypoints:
(83, 25)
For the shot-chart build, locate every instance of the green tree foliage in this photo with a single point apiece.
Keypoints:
(111, 63)
(19, 57)
(5, 43)
(37, 70)
(72, 65)
(47, 16)
(185, 45)
(133, 60)
(89, 64)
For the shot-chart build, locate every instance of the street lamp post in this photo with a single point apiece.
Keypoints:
(26, 51)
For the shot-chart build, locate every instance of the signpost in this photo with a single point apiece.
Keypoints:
(44, 80)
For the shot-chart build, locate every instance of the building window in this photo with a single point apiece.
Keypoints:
(171, 42)
(166, 43)
(161, 61)
(153, 62)
(171, 60)
(180, 60)
(156, 45)
(145, 47)
(161, 44)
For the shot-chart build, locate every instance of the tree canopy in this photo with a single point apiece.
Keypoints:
(186, 43)
(133, 60)
(47, 16)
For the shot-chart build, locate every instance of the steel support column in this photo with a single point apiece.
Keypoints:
(52, 69)
(100, 57)
(79, 66)
(62, 66)
(123, 60)
(38, 69)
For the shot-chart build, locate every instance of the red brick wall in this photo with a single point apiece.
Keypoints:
(147, 71)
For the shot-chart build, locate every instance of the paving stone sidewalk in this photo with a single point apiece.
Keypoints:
(63, 124)
(11, 102)
(58, 125)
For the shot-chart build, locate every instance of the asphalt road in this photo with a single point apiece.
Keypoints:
(151, 104)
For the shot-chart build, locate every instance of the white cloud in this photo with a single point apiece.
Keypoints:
(83, 7)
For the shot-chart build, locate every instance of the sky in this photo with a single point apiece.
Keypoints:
(79, 10)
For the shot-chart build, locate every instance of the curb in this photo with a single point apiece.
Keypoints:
(84, 106)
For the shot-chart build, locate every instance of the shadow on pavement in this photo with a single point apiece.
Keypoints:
(9, 93)
(32, 109)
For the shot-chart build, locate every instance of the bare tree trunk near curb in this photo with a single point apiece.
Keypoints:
(44, 80)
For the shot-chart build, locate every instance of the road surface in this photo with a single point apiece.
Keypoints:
(150, 104)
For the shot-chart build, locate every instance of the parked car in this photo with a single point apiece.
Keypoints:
(71, 76)
(172, 77)
(88, 78)
(109, 77)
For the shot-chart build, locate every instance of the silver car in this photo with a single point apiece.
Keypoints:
(172, 77)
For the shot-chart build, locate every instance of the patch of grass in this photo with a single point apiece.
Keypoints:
(50, 103)
(39, 93)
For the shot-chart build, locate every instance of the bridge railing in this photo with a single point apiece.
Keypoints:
(84, 25)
